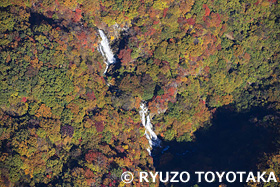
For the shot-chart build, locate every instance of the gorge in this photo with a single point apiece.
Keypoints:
(108, 55)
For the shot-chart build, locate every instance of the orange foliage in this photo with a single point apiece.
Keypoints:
(137, 102)
(44, 111)
(74, 108)
(227, 99)
(89, 173)
(78, 15)
(202, 113)
(207, 10)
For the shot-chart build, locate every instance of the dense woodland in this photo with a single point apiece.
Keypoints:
(62, 125)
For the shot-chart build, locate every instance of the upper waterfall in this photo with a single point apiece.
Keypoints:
(105, 50)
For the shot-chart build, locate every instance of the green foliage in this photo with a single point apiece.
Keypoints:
(169, 134)
(6, 22)
(187, 137)
(61, 124)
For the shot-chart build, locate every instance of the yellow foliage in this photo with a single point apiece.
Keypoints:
(160, 5)
(227, 99)
(125, 147)
(3, 157)
(71, 4)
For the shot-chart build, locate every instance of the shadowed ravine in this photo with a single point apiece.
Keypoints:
(232, 143)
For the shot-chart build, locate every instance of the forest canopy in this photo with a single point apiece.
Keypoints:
(64, 123)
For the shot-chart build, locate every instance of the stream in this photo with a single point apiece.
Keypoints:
(106, 52)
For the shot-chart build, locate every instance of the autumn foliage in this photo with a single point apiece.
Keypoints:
(63, 122)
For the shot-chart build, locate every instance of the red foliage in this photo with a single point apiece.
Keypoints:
(165, 12)
(171, 91)
(90, 182)
(150, 32)
(91, 96)
(125, 56)
(213, 21)
(23, 99)
(156, 22)
(257, 3)
(207, 10)
(82, 37)
(120, 149)
(207, 69)
(17, 38)
(91, 156)
(89, 174)
(218, 19)
(78, 11)
(78, 15)
(191, 21)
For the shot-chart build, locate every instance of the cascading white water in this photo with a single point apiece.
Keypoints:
(107, 53)
(149, 133)
(105, 50)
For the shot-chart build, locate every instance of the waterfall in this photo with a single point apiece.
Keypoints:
(149, 133)
(105, 50)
